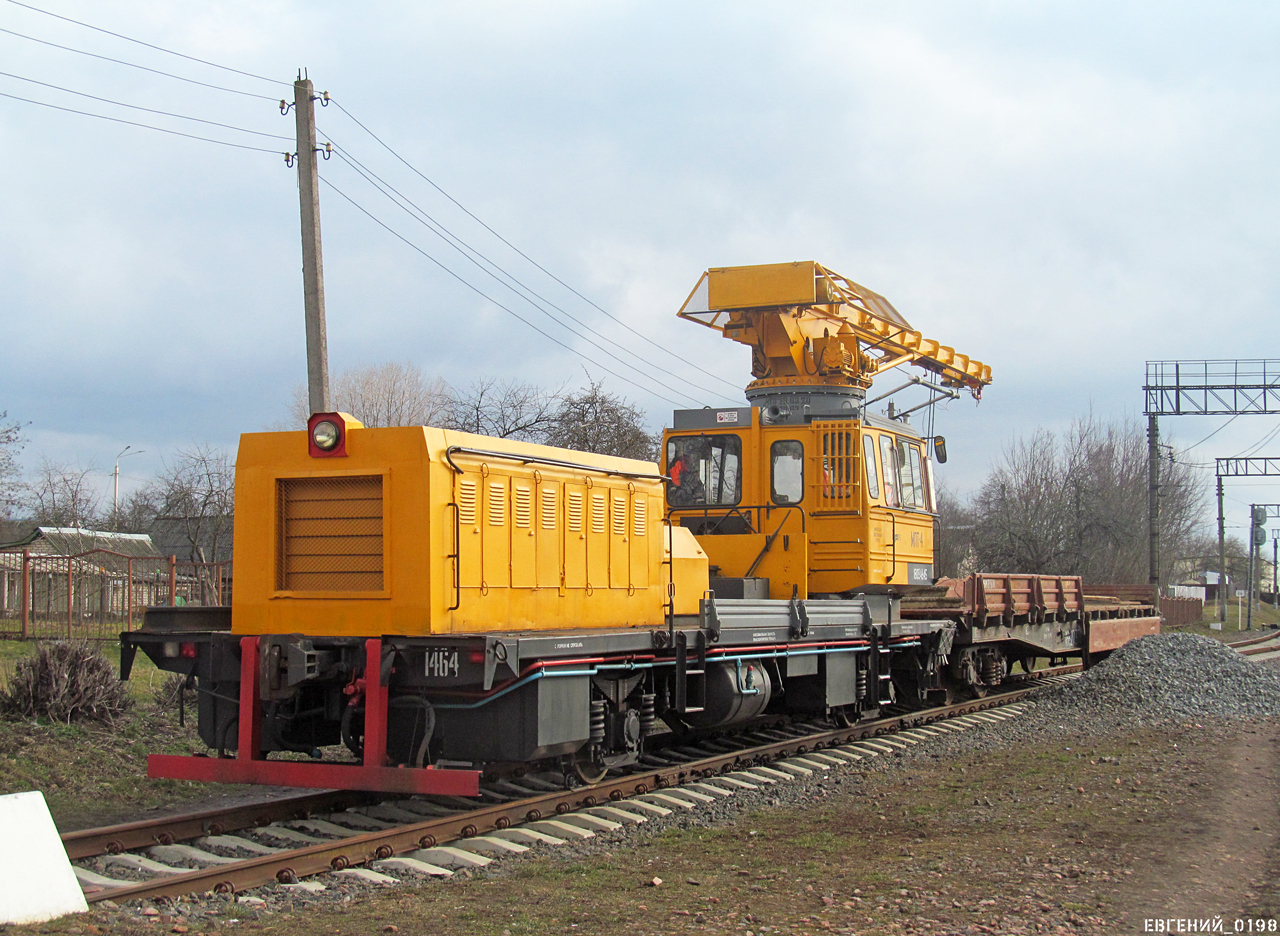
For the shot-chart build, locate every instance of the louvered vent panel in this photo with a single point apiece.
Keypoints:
(524, 506)
(467, 503)
(548, 508)
(638, 522)
(329, 534)
(597, 513)
(497, 503)
(620, 516)
(575, 511)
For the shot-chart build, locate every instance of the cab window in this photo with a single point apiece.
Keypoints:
(909, 467)
(786, 472)
(705, 471)
(869, 456)
(889, 461)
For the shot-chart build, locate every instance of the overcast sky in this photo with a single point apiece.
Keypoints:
(1061, 190)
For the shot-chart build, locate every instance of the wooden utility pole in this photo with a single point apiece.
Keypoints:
(312, 267)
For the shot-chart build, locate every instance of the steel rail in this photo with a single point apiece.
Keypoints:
(165, 830)
(289, 866)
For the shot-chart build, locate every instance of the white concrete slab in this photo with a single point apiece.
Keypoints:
(793, 768)
(822, 757)
(690, 791)
(285, 834)
(734, 781)
(139, 863)
(652, 809)
(667, 800)
(849, 757)
(614, 814)
(92, 879)
(588, 821)
(235, 841)
(414, 865)
(701, 786)
(308, 887)
(367, 874)
(809, 762)
(187, 853)
(559, 829)
(324, 827)
(490, 845)
(39, 883)
(453, 858)
(769, 775)
(526, 836)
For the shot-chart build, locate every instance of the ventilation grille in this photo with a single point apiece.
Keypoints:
(524, 506)
(548, 508)
(574, 499)
(467, 503)
(620, 516)
(638, 508)
(597, 513)
(330, 534)
(497, 503)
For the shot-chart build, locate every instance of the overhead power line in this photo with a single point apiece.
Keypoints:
(501, 275)
(134, 123)
(190, 58)
(154, 71)
(471, 215)
(149, 110)
(479, 292)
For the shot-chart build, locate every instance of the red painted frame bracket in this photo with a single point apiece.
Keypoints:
(250, 765)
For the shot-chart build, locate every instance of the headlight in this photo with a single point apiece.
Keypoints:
(325, 435)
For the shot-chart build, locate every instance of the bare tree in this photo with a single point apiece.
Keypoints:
(62, 496)
(10, 476)
(592, 420)
(139, 509)
(1077, 505)
(954, 541)
(197, 493)
(507, 409)
(392, 394)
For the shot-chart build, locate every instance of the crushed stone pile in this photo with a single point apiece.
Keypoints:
(1168, 678)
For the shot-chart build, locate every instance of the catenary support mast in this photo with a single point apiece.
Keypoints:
(312, 267)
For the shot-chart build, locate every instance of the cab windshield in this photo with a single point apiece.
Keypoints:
(705, 471)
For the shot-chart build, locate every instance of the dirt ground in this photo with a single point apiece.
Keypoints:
(1070, 835)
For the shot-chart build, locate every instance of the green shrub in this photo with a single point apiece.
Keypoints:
(64, 681)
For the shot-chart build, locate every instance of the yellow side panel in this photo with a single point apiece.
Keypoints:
(598, 537)
(575, 535)
(768, 284)
(549, 533)
(524, 546)
(496, 535)
(640, 540)
(688, 569)
(619, 541)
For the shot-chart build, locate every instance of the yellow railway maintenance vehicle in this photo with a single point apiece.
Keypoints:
(436, 605)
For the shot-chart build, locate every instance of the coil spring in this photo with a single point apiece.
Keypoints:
(860, 684)
(597, 722)
(648, 717)
(992, 669)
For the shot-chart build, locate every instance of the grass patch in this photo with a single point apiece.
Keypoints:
(97, 774)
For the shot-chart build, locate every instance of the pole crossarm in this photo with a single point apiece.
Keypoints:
(1247, 467)
(1213, 388)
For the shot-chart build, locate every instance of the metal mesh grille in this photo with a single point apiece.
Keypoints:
(839, 471)
(330, 534)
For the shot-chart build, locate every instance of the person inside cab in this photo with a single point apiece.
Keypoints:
(686, 487)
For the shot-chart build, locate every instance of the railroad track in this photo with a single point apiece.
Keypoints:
(289, 839)
(1255, 646)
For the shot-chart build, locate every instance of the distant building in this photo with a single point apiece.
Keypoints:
(72, 541)
(172, 536)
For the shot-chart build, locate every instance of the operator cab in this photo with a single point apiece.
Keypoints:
(817, 506)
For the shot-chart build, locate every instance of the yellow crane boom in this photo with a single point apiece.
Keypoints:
(809, 326)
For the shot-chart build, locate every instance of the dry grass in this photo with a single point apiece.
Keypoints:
(64, 681)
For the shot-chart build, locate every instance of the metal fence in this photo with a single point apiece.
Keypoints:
(97, 594)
